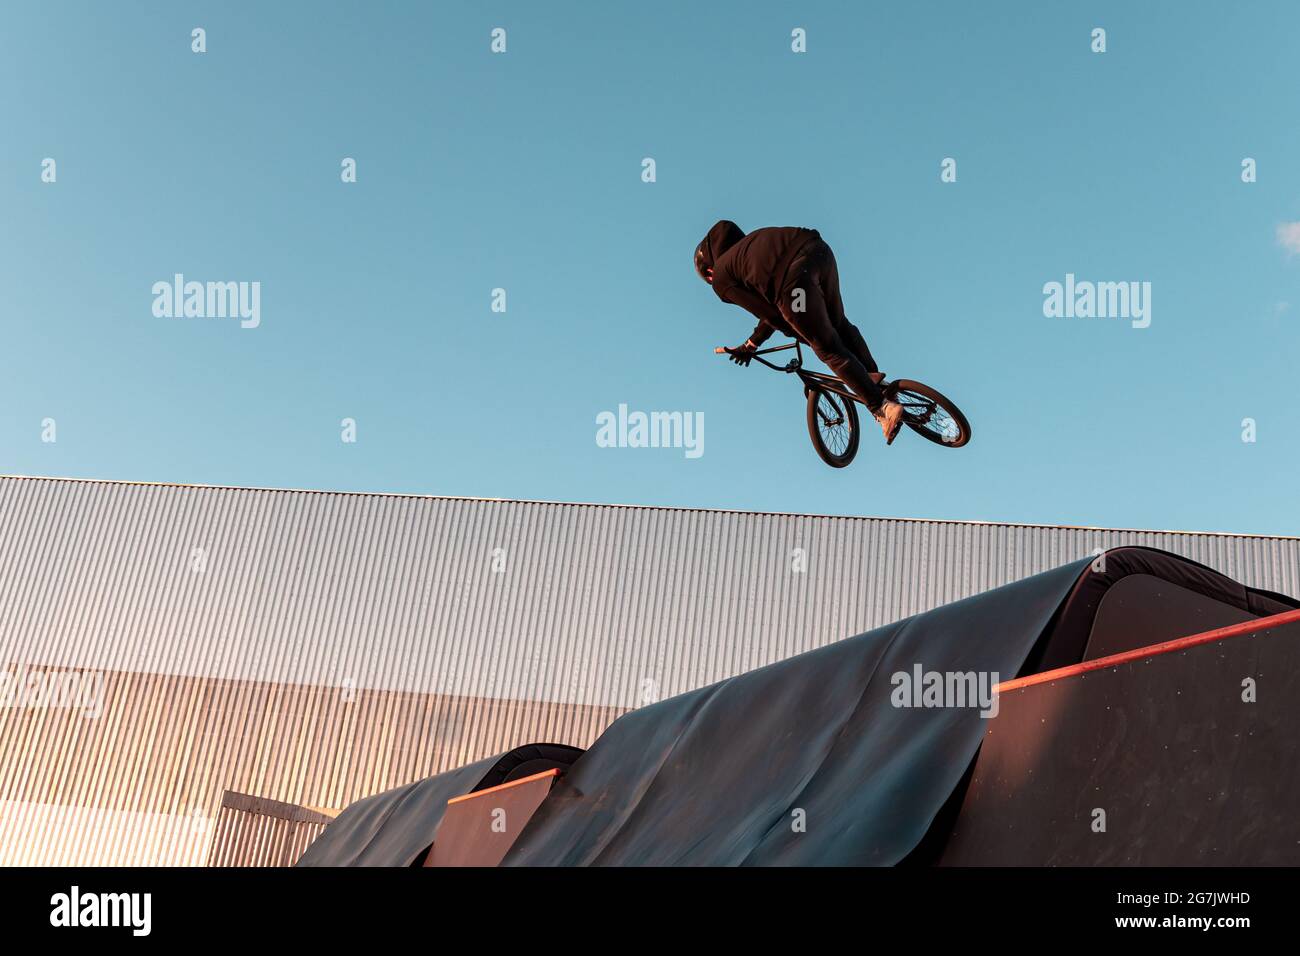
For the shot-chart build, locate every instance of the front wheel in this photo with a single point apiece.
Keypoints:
(833, 427)
(931, 415)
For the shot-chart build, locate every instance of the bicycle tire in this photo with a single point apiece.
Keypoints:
(905, 387)
(839, 406)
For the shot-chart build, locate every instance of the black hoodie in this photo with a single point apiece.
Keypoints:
(750, 270)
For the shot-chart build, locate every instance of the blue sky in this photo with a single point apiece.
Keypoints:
(523, 171)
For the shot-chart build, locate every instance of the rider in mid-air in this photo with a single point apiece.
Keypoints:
(786, 277)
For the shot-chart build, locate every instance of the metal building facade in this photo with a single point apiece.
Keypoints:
(161, 645)
(254, 831)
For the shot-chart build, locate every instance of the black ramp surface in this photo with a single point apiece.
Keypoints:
(1142, 610)
(1068, 642)
(1186, 771)
(718, 776)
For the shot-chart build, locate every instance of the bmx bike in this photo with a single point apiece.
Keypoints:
(833, 415)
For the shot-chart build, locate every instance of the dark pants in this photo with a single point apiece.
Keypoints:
(822, 325)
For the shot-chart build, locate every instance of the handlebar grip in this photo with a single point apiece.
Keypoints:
(719, 350)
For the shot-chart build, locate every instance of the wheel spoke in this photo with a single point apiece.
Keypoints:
(931, 416)
(833, 424)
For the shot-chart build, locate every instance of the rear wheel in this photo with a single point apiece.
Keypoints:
(833, 427)
(931, 415)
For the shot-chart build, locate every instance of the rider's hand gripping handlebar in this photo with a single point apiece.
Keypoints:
(757, 355)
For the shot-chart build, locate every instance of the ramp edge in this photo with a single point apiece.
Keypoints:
(1152, 650)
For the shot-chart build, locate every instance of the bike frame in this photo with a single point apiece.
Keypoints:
(919, 401)
(819, 380)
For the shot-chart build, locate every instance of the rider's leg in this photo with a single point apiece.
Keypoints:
(817, 325)
(813, 325)
(847, 331)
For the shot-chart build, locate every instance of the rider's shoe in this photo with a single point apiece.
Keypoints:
(890, 417)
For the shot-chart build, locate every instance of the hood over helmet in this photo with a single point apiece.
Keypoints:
(720, 238)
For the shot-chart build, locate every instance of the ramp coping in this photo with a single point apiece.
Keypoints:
(1151, 650)
(553, 772)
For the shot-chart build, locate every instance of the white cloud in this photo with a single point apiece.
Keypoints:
(1288, 236)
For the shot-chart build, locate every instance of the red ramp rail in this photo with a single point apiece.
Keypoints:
(1178, 644)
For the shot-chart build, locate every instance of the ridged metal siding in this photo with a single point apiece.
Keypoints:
(253, 831)
(332, 645)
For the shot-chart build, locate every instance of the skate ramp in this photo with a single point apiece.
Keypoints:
(1181, 754)
(397, 827)
(803, 762)
(821, 759)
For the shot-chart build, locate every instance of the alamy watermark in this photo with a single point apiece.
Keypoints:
(179, 299)
(76, 908)
(1083, 299)
(633, 429)
(52, 689)
(922, 689)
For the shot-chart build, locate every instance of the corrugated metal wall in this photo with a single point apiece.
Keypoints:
(168, 746)
(315, 647)
(254, 831)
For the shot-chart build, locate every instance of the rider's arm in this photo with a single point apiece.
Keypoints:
(769, 317)
(762, 332)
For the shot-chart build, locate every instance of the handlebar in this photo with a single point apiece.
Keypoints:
(794, 364)
(722, 349)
